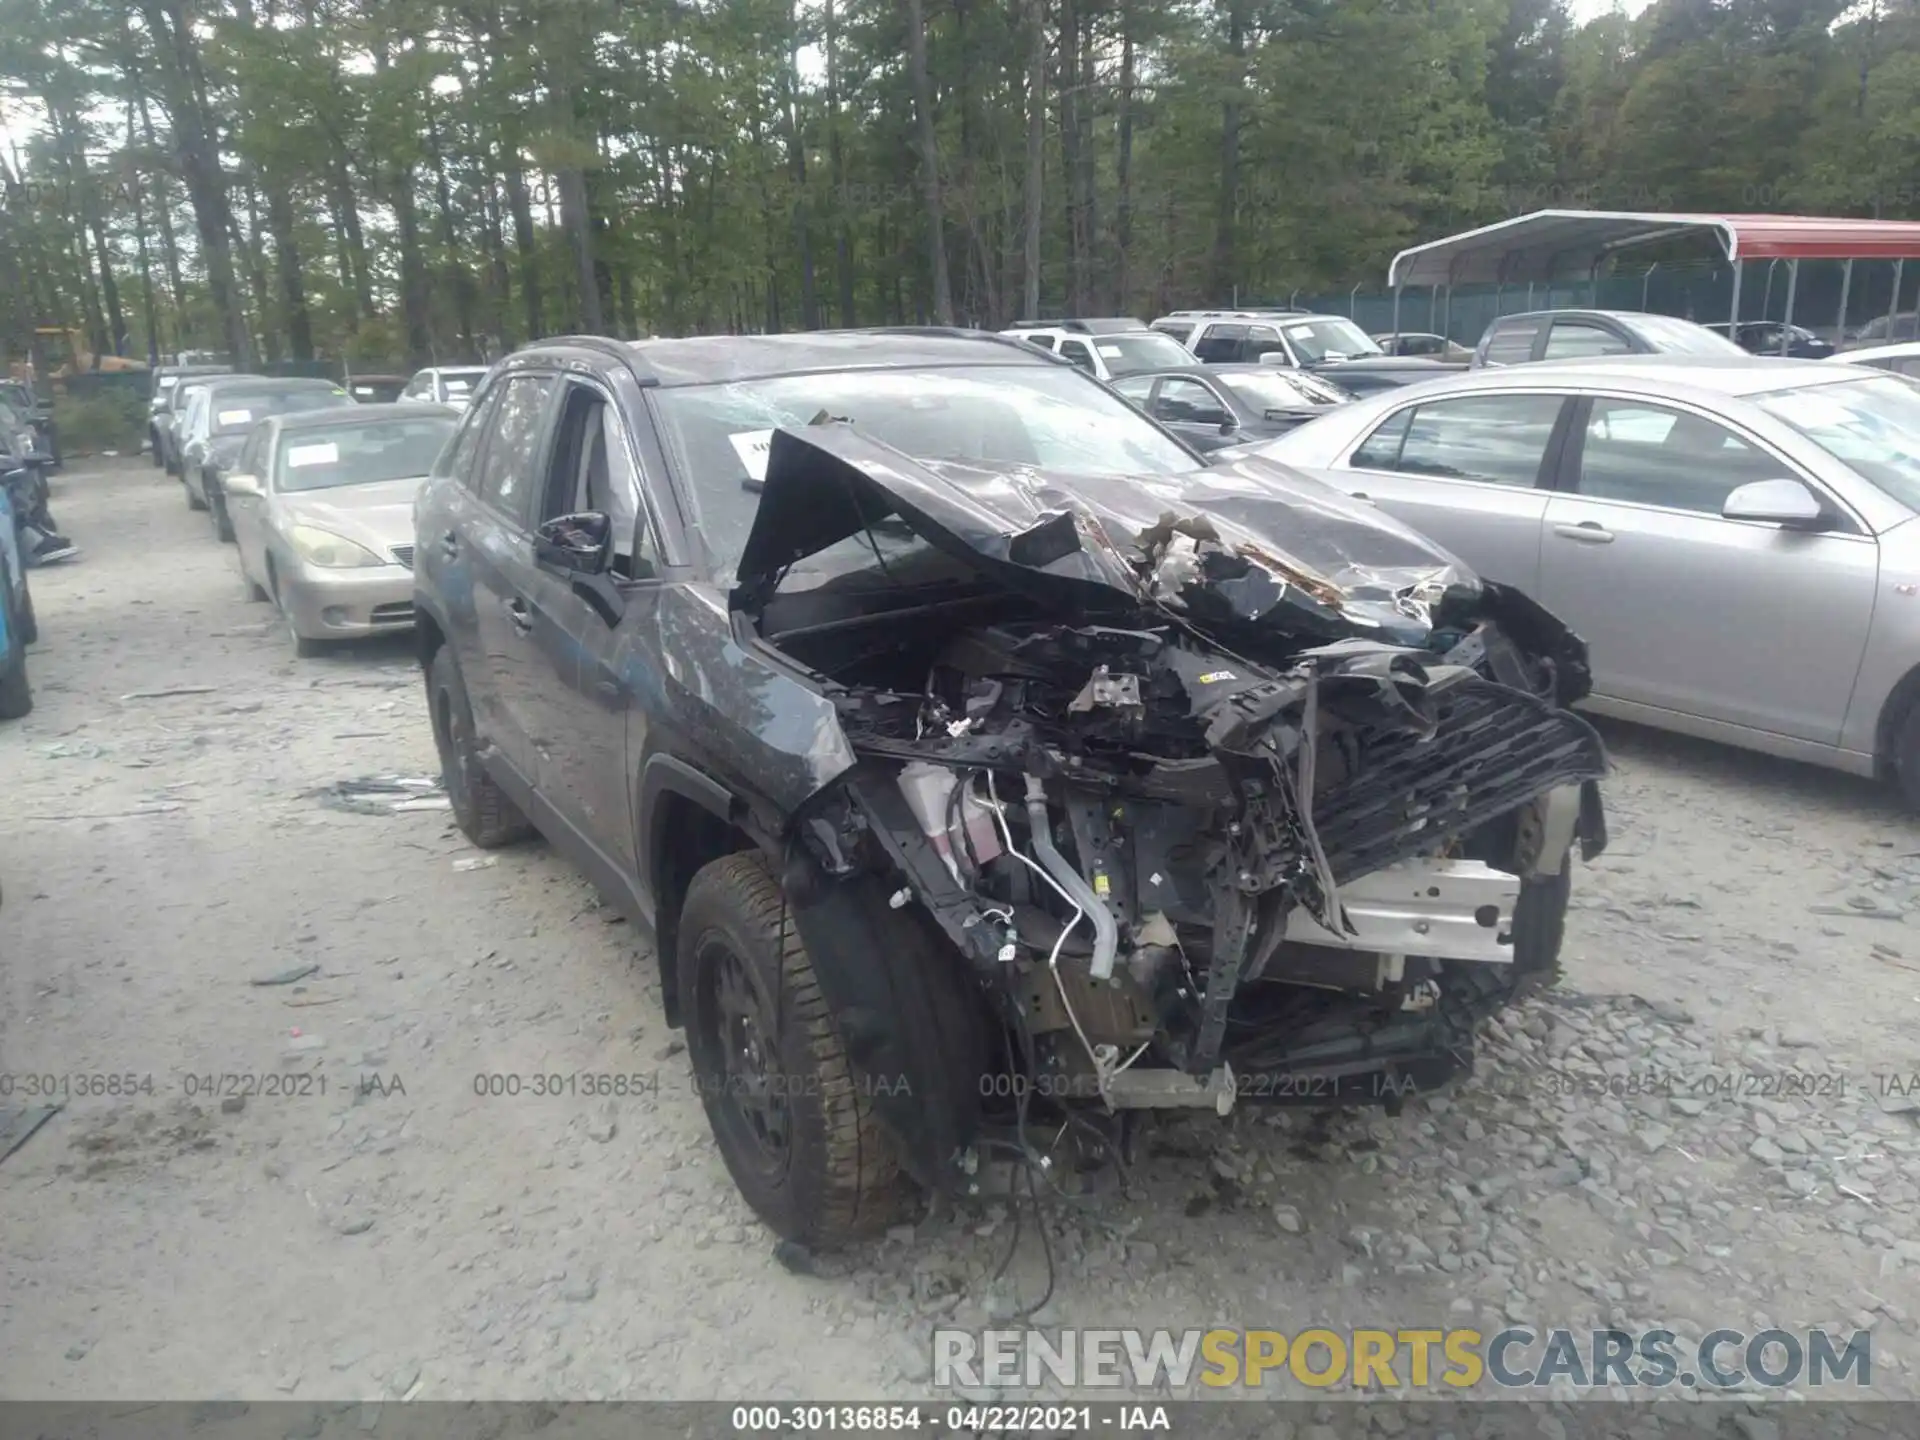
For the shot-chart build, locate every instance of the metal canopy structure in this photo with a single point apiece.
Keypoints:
(1559, 245)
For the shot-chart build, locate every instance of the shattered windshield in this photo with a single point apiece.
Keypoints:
(1872, 425)
(1036, 415)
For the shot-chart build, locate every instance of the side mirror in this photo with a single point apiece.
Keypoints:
(579, 544)
(244, 485)
(1776, 502)
(1227, 427)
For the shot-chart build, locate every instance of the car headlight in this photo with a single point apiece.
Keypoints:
(328, 550)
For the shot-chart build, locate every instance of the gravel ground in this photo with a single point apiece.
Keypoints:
(1628, 1154)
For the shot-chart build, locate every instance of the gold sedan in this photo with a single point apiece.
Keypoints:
(322, 506)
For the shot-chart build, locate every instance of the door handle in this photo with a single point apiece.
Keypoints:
(1588, 532)
(450, 544)
(521, 616)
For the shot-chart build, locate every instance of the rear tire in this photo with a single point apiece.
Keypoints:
(480, 807)
(16, 696)
(1906, 757)
(29, 624)
(793, 1124)
(194, 502)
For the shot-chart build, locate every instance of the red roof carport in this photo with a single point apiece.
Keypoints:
(1554, 245)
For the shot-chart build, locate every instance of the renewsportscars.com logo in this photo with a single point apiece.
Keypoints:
(1513, 1358)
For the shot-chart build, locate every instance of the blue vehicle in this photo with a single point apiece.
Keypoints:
(17, 627)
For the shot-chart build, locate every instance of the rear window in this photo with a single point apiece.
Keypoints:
(238, 411)
(321, 458)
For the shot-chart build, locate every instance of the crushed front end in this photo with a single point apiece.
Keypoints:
(1232, 791)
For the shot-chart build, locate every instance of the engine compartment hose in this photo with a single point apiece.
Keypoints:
(1106, 934)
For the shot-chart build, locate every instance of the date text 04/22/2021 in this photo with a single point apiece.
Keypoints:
(973, 1419)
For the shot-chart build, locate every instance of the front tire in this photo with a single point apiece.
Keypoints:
(194, 502)
(29, 624)
(217, 504)
(795, 1128)
(480, 807)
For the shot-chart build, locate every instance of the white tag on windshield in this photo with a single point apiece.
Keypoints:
(299, 455)
(1300, 332)
(1112, 352)
(755, 448)
(235, 417)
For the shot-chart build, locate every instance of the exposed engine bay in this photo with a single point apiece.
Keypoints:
(1222, 790)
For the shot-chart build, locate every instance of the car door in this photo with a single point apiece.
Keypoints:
(1189, 407)
(1729, 620)
(247, 513)
(1467, 470)
(511, 626)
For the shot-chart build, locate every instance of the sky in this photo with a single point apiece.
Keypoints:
(1585, 10)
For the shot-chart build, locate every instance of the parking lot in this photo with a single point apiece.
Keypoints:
(1707, 1125)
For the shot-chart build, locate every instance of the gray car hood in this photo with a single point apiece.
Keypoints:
(1245, 547)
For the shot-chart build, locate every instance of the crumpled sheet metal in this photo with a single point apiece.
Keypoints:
(1244, 546)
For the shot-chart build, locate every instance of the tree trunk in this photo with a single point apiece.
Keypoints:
(1225, 258)
(256, 258)
(293, 288)
(1036, 153)
(842, 232)
(797, 172)
(136, 200)
(929, 162)
(200, 165)
(453, 265)
(502, 280)
(1085, 181)
(1067, 74)
(520, 204)
(162, 205)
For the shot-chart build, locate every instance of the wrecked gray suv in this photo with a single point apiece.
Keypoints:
(978, 759)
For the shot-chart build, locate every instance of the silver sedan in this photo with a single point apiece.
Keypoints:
(1738, 540)
(322, 506)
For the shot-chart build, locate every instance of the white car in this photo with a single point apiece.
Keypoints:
(1902, 357)
(444, 385)
(1106, 349)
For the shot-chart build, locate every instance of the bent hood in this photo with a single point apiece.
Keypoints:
(1245, 547)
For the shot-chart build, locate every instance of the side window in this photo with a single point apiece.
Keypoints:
(457, 460)
(1179, 331)
(592, 470)
(1578, 339)
(1260, 339)
(1904, 365)
(1135, 387)
(1650, 455)
(1381, 451)
(253, 453)
(1511, 343)
(1042, 342)
(507, 471)
(1495, 439)
(1078, 353)
(1220, 344)
(1189, 402)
